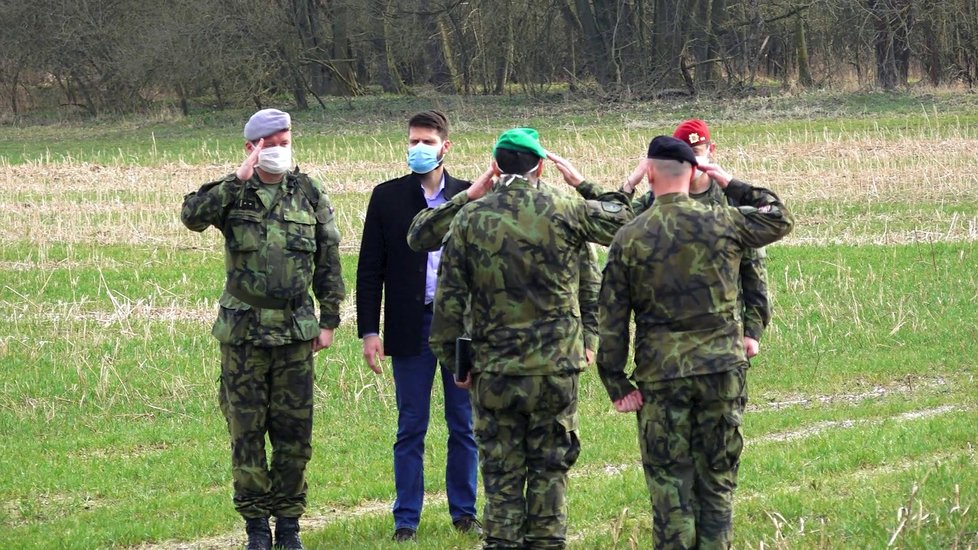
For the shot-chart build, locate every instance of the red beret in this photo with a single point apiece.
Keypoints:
(692, 132)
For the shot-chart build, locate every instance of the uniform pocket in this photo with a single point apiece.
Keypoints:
(300, 231)
(245, 233)
(663, 442)
(728, 442)
(231, 326)
(567, 445)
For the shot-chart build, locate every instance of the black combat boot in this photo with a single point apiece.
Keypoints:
(287, 534)
(259, 534)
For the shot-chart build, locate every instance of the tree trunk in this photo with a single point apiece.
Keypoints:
(184, 103)
(504, 62)
(299, 89)
(596, 47)
(387, 74)
(706, 68)
(439, 73)
(891, 41)
(344, 78)
(218, 93)
(305, 15)
(13, 90)
(670, 42)
(804, 70)
(446, 50)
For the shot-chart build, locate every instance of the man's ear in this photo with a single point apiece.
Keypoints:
(495, 168)
(539, 170)
(249, 147)
(446, 146)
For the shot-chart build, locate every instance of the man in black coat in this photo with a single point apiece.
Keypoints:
(389, 271)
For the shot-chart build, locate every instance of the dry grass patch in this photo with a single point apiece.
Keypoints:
(129, 204)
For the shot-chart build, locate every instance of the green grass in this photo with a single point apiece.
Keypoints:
(861, 425)
(120, 441)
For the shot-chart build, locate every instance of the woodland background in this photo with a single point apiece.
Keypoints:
(119, 56)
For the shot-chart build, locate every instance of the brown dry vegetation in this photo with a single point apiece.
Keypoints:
(844, 191)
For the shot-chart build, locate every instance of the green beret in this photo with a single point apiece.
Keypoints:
(524, 140)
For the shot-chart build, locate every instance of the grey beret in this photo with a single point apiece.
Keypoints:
(265, 123)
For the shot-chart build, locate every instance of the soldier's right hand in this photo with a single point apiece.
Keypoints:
(571, 175)
(247, 168)
(373, 352)
(630, 403)
(717, 174)
(481, 185)
(636, 177)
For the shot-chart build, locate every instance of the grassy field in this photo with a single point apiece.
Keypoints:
(863, 421)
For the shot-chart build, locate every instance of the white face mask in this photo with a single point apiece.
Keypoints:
(701, 159)
(275, 160)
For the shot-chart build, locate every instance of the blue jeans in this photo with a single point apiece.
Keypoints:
(413, 379)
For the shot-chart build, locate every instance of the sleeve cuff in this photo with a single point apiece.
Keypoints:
(753, 331)
(328, 321)
(461, 198)
(618, 386)
(737, 189)
(588, 190)
(591, 342)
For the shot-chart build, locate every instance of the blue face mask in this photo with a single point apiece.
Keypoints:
(423, 158)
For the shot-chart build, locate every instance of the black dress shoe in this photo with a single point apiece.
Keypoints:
(404, 534)
(468, 525)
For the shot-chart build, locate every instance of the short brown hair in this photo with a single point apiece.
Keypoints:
(436, 120)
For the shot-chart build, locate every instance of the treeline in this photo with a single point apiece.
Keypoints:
(123, 55)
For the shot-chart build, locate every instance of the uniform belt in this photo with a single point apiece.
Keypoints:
(264, 302)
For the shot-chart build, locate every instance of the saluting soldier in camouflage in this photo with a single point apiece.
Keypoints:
(430, 226)
(675, 267)
(753, 271)
(513, 259)
(280, 240)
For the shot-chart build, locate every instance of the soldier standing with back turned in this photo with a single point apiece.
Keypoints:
(704, 189)
(280, 240)
(676, 268)
(514, 257)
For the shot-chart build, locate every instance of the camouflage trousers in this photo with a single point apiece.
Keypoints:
(268, 390)
(689, 433)
(526, 430)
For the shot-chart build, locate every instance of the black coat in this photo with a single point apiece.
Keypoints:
(388, 267)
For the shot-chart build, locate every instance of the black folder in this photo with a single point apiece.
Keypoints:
(463, 358)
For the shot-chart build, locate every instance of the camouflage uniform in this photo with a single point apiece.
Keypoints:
(277, 246)
(676, 267)
(513, 259)
(429, 229)
(753, 271)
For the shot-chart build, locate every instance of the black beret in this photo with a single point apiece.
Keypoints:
(670, 148)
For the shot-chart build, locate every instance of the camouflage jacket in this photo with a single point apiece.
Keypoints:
(513, 259)
(753, 271)
(273, 254)
(430, 226)
(676, 268)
